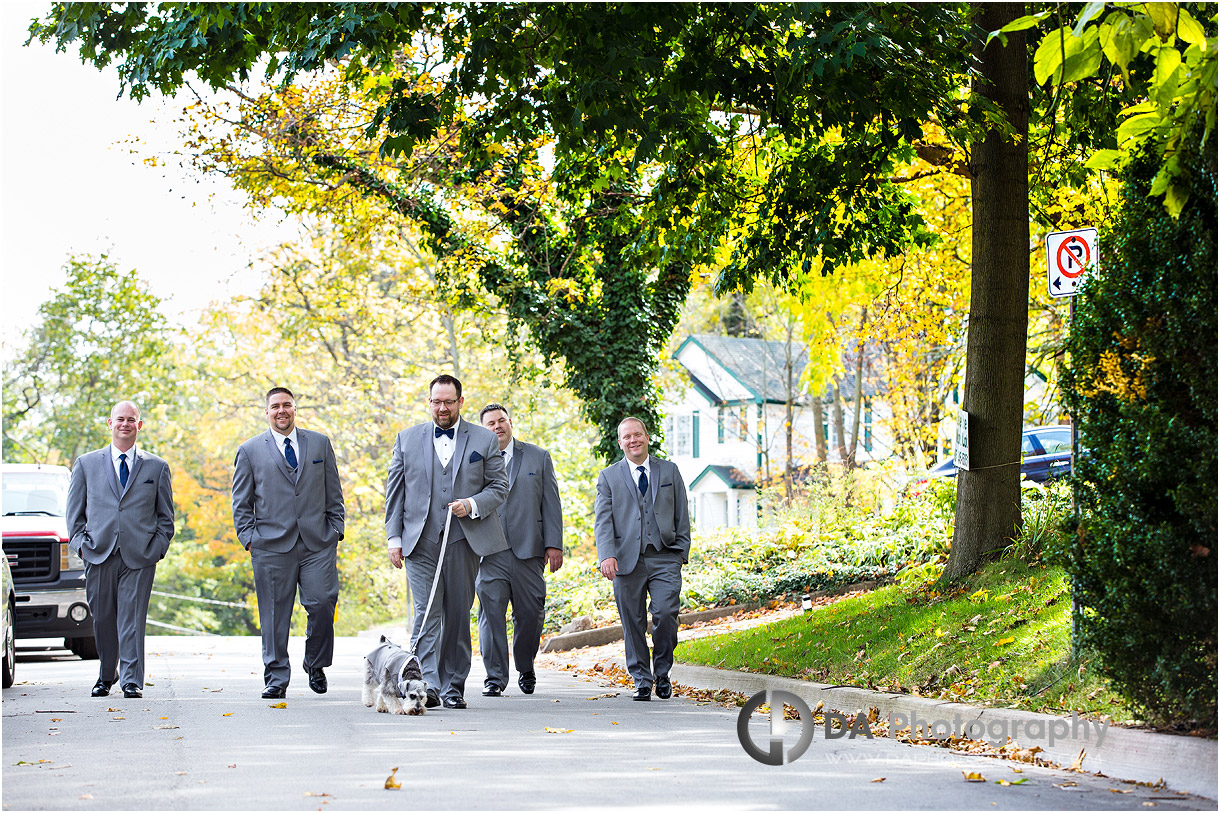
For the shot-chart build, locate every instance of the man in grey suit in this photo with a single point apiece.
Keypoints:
(121, 519)
(288, 512)
(533, 523)
(641, 526)
(444, 464)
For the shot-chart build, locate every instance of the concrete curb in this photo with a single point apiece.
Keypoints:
(600, 636)
(1184, 763)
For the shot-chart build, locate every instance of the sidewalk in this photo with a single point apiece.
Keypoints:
(1182, 762)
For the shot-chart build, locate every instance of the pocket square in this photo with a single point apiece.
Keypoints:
(146, 482)
(666, 485)
(319, 460)
(475, 457)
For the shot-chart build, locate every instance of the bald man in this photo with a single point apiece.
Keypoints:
(121, 519)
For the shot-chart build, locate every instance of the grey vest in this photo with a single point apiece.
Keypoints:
(442, 495)
(650, 532)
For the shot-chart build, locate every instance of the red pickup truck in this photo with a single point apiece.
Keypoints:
(48, 576)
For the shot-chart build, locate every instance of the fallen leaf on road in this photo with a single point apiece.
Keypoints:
(1079, 763)
(86, 796)
(230, 713)
(878, 779)
(613, 723)
(181, 773)
(23, 762)
(58, 719)
(1016, 769)
(1149, 804)
(391, 783)
(973, 776)
(311, 793)
(162, 718)
(278, 706)
(1116, 790)
(118, 718)
(234, 765)
(113, 709)
(164, 727)
(550, 730)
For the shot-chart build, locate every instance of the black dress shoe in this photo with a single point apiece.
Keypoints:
(131, 690)
(527, 681)
(101, 688)
(273, 693)
(434, 699)
(491, 690)
(455, 703)
(642, 693)
(665, 689)
(317, 680)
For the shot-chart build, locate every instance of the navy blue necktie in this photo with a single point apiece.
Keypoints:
(289, 454)
(446, 432)
(124, 472)
(643, 479)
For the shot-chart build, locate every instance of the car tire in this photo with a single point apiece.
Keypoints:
(83, 648)
(10, 645)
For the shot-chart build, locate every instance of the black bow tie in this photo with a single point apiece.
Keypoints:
(446, 432)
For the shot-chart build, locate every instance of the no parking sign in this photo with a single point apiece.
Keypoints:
(1069, 255)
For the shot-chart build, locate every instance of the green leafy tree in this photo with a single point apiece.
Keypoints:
(99, 340)
(1142, 385)
(1165, 56)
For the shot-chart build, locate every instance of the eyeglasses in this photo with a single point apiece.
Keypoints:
(437, 403)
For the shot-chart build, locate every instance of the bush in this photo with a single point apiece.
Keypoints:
(1142, 385)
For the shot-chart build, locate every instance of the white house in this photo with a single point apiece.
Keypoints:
(726, 430)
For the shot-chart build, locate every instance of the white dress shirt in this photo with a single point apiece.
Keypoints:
(635, 472)
(279, 441)
(114, 458)
(444, 446)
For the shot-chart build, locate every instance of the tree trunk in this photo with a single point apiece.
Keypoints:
(989, 495)
(859, 402)
(819, 434)
(840, 430)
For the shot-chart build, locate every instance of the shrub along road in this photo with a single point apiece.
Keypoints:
(201, 738)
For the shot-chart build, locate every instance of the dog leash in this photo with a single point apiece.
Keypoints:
(436, 578)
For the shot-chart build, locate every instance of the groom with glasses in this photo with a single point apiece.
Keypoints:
(445, 464)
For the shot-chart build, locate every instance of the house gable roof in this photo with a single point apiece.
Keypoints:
(731, 476)
(756, 365)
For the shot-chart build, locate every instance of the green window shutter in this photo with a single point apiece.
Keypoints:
(694, 433)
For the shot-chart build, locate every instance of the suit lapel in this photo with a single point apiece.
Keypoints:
(273, 442)
(459, 446)
(302, 453)
(629, 475)
(136, 460)
(424, 433)
(518, 453)
(111, 475)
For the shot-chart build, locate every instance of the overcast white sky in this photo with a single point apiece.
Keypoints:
(69, 183)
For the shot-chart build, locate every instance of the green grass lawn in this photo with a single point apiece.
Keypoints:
(1002, 639)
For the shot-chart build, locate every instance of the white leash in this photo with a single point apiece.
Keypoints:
(436, 578)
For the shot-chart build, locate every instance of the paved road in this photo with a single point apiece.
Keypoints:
(202, 739)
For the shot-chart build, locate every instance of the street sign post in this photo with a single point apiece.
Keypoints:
(1069, 256)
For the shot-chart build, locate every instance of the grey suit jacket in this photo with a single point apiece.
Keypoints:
(617, 518)
(532, 518)
(272, 507)
(139, 518)
(478, 473)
